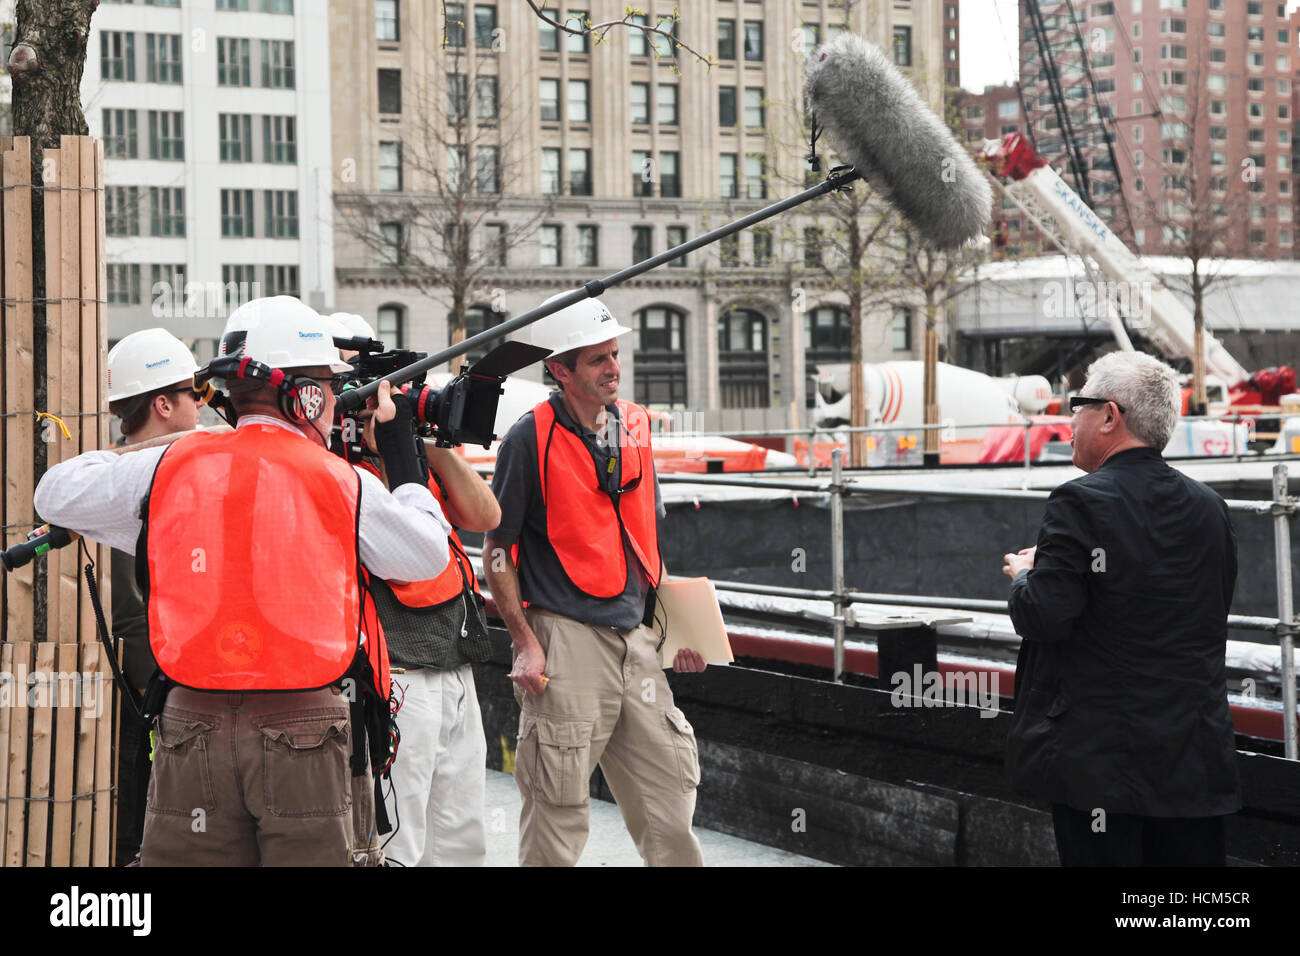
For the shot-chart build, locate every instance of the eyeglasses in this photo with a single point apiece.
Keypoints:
(1078, 400)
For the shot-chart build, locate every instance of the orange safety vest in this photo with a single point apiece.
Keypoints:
(253, 567)
(447, 585)
(585, 523)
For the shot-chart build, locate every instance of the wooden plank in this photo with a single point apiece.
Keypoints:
(38, 814)
(16, 790)
(101, 851)
(55, 400)
(87, 728)
(5, 538)
(90, 360)
(19, 393)
(70, 359)
(10, 693)
(65, 750)
(103, 559)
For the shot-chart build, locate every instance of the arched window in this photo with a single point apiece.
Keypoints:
(479, 318)
(827, 340)
(390, 326)
(660, 357)
(743, 359)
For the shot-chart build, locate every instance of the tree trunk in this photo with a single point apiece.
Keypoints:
(1199, 399)
(46, 64)
(930, 388)
(857, 383)
(456, 320)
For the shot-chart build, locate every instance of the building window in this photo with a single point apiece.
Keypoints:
(811, 34)
(576, 42)
(120, 134)
(742, 359)
(281, 214)
(640, 111)
(670, 180)
(579, 172)
(587, 246)
(117, 55)
(457, 96)
(900, 331)
(235, 131)
(239, 284)
(166, 135)
(487, 170)
(167, 281)
(166, 211)
(726, 106)
(549, 97)
(494, 244)
(277, 64)
(233, 66)
(457, 166)
(753, 106)
(729, 251)
(386, 21)
(727, 180)
(486, 103)
(478, 319)
(122, 210)
(163, 57)
(548, 36)
(756, 176)
(762, 239)
(280, 140)
(812, 247)
(666, 104)
(453, 26)
(642, 243)
(550, 172)
(237, 213)
(390, 91)
(390, 167)
(550, 246)
(753, 41)
(390, 245)
(660, 357)
(643, 173)
(726, 39)
(282, 280)
(637, 44)
(123, 283)
(579, 99)
(827, 341)
(485, 25)
(666, 46)
(903, 46)
(232, 4)
(677, 236)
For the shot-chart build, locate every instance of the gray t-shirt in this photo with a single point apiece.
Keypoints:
(542, 581)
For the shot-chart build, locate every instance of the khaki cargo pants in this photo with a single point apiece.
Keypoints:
(607, 703)
(256, 779)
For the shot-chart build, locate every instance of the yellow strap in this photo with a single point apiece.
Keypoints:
(55, 418)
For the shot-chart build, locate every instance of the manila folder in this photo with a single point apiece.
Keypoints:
(688, 616)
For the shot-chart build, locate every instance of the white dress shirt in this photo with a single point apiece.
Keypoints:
(402, 536)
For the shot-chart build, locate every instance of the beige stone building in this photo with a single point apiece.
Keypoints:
(584, 156)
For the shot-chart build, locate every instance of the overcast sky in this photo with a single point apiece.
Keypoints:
(988, 41)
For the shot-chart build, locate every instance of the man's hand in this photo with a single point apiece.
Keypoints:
(1022, 560)
(530, 662)
(688, 661)
(379, 408)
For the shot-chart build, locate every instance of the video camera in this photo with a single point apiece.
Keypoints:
(462, 412)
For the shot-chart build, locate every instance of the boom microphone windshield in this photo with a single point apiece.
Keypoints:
(876, 120)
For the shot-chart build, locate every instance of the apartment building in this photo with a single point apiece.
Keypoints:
(587, 155)
(215, 116)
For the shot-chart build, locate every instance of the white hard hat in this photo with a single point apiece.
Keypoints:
(584, 323)
(355, 324)
(146, 360)
(297, 340)
(252, 313)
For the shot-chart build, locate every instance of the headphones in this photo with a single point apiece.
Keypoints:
(299, 397)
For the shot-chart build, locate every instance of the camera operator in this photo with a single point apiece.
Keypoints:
(253, 543)
(435, 632)
(151, 390)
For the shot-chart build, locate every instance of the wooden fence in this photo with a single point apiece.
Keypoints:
(58, 706)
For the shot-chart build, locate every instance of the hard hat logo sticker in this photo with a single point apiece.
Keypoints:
(158, 364)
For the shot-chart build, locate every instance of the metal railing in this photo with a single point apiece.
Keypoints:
(1281, 507)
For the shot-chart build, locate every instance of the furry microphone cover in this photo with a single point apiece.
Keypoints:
(876, 120)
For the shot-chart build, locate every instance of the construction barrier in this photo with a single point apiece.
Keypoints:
(58, 709)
